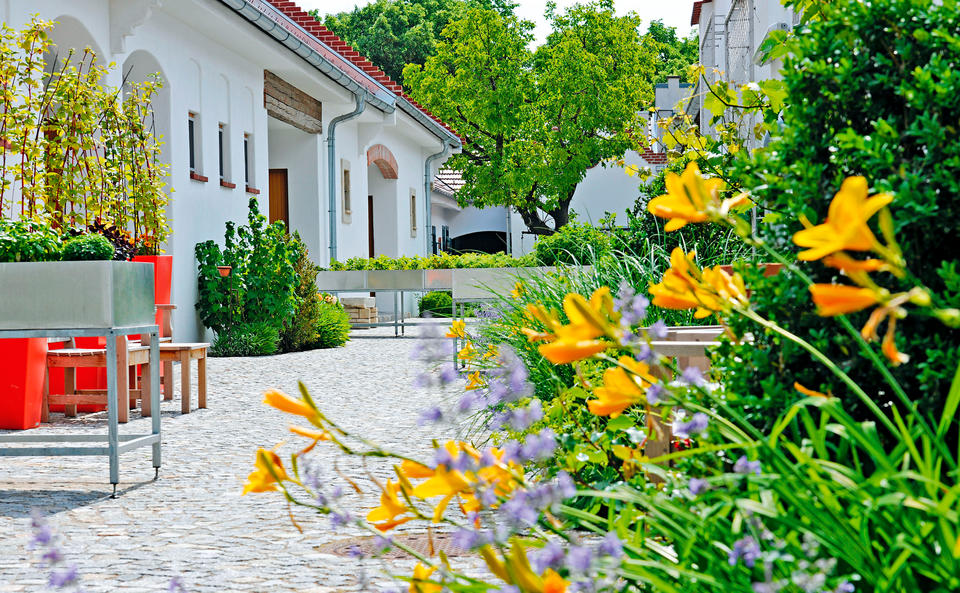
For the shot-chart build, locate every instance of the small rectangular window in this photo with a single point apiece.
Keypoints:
(433, 239)
(246, 160)
(223, 153)
(413, 214)
(192, 140)
(347, 207)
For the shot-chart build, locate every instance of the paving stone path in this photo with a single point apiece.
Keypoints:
(192, 522)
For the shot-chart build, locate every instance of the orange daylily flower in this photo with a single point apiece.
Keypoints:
(458, 329)
(684, 286)
(385, 516)
(845, 228)
(889, 346)
(588, 321)
(553, 582)
(285, 403)
(262, 479)
(467, 352)
(420, 582)
(688, 199)
(621, 389)
(474, 381)
(808, 392)
(848, 265)
(414, 470)
(838, 299)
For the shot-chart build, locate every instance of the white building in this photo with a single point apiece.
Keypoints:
(731, 33)
(327, 142)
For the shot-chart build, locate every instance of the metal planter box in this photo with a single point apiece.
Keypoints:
(75, 295)
(483, 283)
(340, 281)
(438, 279)
(395, 279)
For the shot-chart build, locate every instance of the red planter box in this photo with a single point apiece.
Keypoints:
(22, 362)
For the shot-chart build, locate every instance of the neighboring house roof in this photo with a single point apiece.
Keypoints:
(447, 182)
(697, 7)
(654, 158)
(364, 73)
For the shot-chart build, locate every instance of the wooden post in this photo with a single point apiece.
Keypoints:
(123, 385)
(185, 381)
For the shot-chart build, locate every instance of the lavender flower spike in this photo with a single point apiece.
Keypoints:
(697, 424)
(745, 466)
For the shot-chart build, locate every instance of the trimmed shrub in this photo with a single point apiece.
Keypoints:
(438, 303)
(333, 325)
(301, 328)
(246, 339)
(575, 243)
(91, 247)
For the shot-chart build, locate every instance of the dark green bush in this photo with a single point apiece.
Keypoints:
(301, 328)
(573, 243)
(438, 303)
(246, 339)
(872, 90)
(91, 247)
(262, 283)
(333, 326)
(28, 241)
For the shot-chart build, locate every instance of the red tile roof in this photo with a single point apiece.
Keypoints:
(321, 33)
(697, 6)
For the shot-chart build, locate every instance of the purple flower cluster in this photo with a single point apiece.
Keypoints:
(519, 419)
(536, 447)
(632, 308)
(746, 549)
(687, 428)
(745, 466)
(60, 577)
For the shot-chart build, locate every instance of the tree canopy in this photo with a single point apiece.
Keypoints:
(537, 120)
(675, 55)
(393, 33)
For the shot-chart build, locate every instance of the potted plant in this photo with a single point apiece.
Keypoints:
(22, 360)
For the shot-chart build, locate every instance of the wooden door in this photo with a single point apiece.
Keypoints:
(370, 226)
(278, 197)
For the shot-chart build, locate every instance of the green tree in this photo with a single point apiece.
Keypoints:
(675, 55)
(536, 121)
(393, 33)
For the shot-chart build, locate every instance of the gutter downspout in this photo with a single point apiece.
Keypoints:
(427, 191)
(332, 168)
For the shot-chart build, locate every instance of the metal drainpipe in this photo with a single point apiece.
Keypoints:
(427, 177)
(332, 168)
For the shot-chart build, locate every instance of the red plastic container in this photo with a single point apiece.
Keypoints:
(22, 362)
(162, 274)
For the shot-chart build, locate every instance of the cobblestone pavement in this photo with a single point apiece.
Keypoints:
(192, 522)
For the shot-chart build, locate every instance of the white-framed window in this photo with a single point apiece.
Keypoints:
(193, 143)
(248, 162)
(346, 193)
(413, 213)
(223, 152)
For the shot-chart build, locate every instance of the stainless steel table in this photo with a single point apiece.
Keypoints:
(116, 443)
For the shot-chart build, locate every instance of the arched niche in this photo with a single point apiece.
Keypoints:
(140, 66)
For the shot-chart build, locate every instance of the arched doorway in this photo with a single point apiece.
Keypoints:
(382, 202)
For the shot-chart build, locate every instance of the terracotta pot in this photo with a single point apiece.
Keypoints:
(22, 362)
(162, 274)
(768, 269)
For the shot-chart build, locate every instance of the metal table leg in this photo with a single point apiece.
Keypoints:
(112, 405)
(155, 397)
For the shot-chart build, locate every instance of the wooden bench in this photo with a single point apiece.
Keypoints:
(71, 358)
(183, 353)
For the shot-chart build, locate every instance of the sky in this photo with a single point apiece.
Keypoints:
(675, 13)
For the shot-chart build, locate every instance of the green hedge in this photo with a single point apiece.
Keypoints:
(442, 261)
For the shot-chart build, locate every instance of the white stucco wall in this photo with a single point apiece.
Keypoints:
(217, 72)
